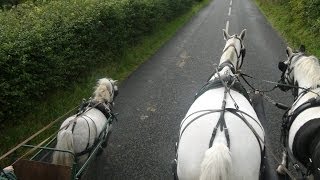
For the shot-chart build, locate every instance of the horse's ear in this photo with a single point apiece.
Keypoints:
(289, 51)
(243, 34)
(226, 36)
(302, 48)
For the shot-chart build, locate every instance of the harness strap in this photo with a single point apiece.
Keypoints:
(221, 123)
(289, 119)
(231, 110)
(216, 83)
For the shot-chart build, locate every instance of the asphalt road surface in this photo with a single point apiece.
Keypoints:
(154, 99)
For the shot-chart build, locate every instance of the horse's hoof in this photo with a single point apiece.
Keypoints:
(280, 170)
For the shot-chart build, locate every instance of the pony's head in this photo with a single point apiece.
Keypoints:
(105, 91)
(299, 70)
(234, 50)
(287, 66)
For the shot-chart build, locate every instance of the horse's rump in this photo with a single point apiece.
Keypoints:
(195, 140)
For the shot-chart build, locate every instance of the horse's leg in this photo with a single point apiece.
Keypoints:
(284, 163)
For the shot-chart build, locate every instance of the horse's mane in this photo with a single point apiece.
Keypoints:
(103, 90)
(309, 67)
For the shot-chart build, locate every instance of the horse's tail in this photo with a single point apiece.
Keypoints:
(64, 142)
(217, 163)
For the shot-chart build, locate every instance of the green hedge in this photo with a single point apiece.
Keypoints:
(297, 20)
(47, 47)
(308, 12)
(302, 12)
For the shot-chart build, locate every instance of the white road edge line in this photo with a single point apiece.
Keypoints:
(229, 11)
(227, 27)
(231, 3)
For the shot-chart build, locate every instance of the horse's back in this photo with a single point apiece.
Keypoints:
(86, 129)
(244, 147)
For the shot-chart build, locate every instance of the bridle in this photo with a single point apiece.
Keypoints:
(242, 52)
(287, 69)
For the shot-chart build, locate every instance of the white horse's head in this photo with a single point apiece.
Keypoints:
(234, 50)
(106, 90)
(299, 70)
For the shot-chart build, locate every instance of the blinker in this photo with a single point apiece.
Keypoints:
(282, 66)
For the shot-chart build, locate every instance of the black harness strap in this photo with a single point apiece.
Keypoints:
(221, 123)
(231, 110)
(216, 83)
(289, 119)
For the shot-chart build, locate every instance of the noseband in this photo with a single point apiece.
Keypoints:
(242, 53)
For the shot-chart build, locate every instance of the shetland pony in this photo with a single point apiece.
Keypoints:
(79, 132)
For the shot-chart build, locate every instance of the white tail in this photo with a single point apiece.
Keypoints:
(64, 142)
(217, 163)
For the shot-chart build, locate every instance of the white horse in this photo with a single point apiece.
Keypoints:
(79, 133)
(221, 144)
(301, 126)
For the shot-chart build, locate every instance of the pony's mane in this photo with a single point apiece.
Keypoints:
(309, 68)
(103, 90)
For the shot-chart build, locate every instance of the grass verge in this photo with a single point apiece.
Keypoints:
(292, 29)
(61, 101)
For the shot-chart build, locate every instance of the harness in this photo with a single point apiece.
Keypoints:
(228, 82)
(286, 71)
(105, 109)
(217, 83)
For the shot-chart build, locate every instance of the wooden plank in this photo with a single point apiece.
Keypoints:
(34, 170)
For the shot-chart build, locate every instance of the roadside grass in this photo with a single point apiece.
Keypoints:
(292, 29)
(61, 101)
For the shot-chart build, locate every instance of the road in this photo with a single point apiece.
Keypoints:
(153, 100)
